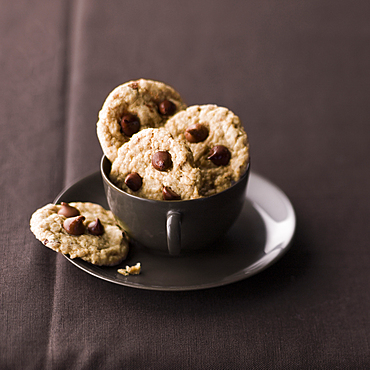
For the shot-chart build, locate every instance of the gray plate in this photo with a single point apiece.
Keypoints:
(260, 236)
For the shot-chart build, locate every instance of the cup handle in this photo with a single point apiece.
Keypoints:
(173, 232)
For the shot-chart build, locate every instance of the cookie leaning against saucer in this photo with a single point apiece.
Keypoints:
(133, 106)
(84, 230)
(154, 165)
(218, 141)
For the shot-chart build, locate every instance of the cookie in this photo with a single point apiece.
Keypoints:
(131, 107)
(218, 142)
(154, 165)
(73, 229)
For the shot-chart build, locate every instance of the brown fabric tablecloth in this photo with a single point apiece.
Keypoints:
(298, 75)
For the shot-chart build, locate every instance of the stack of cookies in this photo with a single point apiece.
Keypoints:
(161, 149)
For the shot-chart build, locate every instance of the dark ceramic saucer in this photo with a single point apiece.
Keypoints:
(260, 236)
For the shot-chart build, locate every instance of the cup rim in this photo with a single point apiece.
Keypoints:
(202, 199)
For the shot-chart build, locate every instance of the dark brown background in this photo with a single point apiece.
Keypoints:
(297, 73)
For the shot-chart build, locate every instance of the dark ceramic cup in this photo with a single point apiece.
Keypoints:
(172, 226)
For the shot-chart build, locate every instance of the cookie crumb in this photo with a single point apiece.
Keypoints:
(130, 270)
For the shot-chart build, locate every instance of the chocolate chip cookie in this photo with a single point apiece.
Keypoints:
(218, 142)
(131, 107)
(84, 230)
(153, 165)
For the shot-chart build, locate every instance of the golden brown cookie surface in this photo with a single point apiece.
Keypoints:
(133, 106)
(218, 141)
(154, 165)
(100, 243)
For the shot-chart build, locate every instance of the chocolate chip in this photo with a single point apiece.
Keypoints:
(130, 124)
(161, 160)
(74, 225)
(134, 85)
(134, 181)
(96, 227)
(219, 155)
(167, 108)
(169, 194)
(196, 133)
(68, 211)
